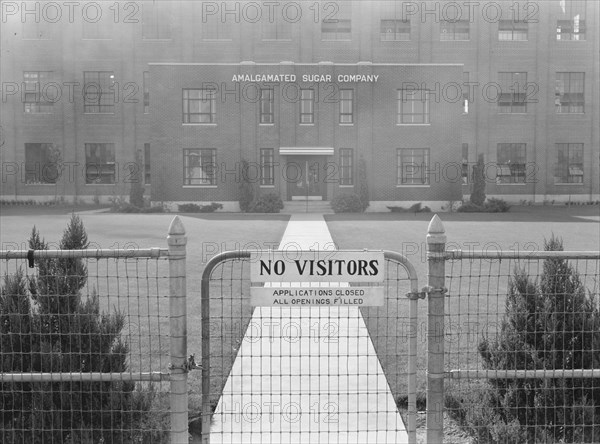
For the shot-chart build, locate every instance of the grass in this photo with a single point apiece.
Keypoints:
(475, 302)
(139, 288)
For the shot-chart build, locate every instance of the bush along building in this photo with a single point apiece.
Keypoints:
(182, 94)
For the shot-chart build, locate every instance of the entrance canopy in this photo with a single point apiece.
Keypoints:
(306, 150)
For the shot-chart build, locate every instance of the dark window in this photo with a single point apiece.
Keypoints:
(100, 163)
(511, 163)
(454, 30)
(267, 174)
(465, 163)
(156, 20)
(267, 105)
(346, 106)
(569, 96)
(98, 92)
(146, 92)
(307, 106)
(220, 25)
(41, 163)
(337, 24)
(569, 168)
(199, 166)
(275, 27)
(35, 93)
(199, 106)
(465, 92)
(511, 30)
(395, 30)
(513, 92)
(413, 166)
(346, 166)
(413, 106)
(147, 175)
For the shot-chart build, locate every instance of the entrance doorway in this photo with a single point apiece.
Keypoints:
(306, 178)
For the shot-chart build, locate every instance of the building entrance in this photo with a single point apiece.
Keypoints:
(306, 178)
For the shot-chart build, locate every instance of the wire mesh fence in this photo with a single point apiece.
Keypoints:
(84, 351)
(522, 345)
(323, 374)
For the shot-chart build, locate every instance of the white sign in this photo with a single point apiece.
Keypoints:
(319, 296)
(317, 266)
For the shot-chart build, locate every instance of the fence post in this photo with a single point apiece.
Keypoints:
(436, 243)
(178, 332)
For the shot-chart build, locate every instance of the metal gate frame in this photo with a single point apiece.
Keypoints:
(414, 295)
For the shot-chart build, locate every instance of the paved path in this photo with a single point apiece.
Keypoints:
(307, 374)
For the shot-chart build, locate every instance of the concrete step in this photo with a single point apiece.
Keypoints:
(319, 206)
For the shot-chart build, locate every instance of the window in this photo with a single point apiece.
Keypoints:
(346, 106)
(346, 166)
(395, 30)
(99, 163)
(267, 105)
(276, 28)
(455, 28)
(156, 20)
(98, 92)
(146, 92)
(465, 163)
(569, 96)
(199, 106)
(413, 166)
(569, 168)
(307, 106)
(199, 166)
(465, 92)
(570, 25)
(41, 163)
(513, 92)
(267, 173)
(35, 98)
(147, 175)
(413, 106)
(512, 30)
(511, 163)
(338, 24)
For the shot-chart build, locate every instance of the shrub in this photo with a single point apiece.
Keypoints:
(347, 203)
(478, 194)
(494, 205)
(550, 324)
(363, 186)
(47, 326)
(194, 208)
(246, 189)
(267, 203)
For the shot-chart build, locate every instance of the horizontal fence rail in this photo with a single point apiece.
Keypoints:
(84, 351)
(522, 344)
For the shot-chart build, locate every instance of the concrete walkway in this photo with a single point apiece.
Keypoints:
(307, 374)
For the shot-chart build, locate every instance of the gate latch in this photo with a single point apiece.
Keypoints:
(425, 291)
(189, 364)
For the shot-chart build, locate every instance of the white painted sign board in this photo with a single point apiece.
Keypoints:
(324, 275)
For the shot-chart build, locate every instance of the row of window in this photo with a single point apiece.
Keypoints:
(413, 166)
(199, 105)
(157, 25)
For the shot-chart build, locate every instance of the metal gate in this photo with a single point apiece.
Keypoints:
(309, 373)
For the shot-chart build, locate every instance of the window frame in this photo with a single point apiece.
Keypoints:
(572, 106)
(37, 105)
(514, 105)
(147, 164)
(90, 106)
(158, 14)
(346, 159)
(106, 167)
(407, 116)
(511, 165)
(45, 151)
(307, 102)
(344, 101)
(267, 167)
(266, 106)
(411, 178)
(512, 31)
(204, 95)
(450, 28)
(398, 25)
(209, 169)
(571, 171)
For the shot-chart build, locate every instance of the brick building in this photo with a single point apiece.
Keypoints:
(107, 90)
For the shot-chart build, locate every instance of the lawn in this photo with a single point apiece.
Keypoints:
(138, 288)
(475, 302)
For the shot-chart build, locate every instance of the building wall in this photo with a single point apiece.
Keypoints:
(67, 50)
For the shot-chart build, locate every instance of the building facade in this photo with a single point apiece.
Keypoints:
(96, 95)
